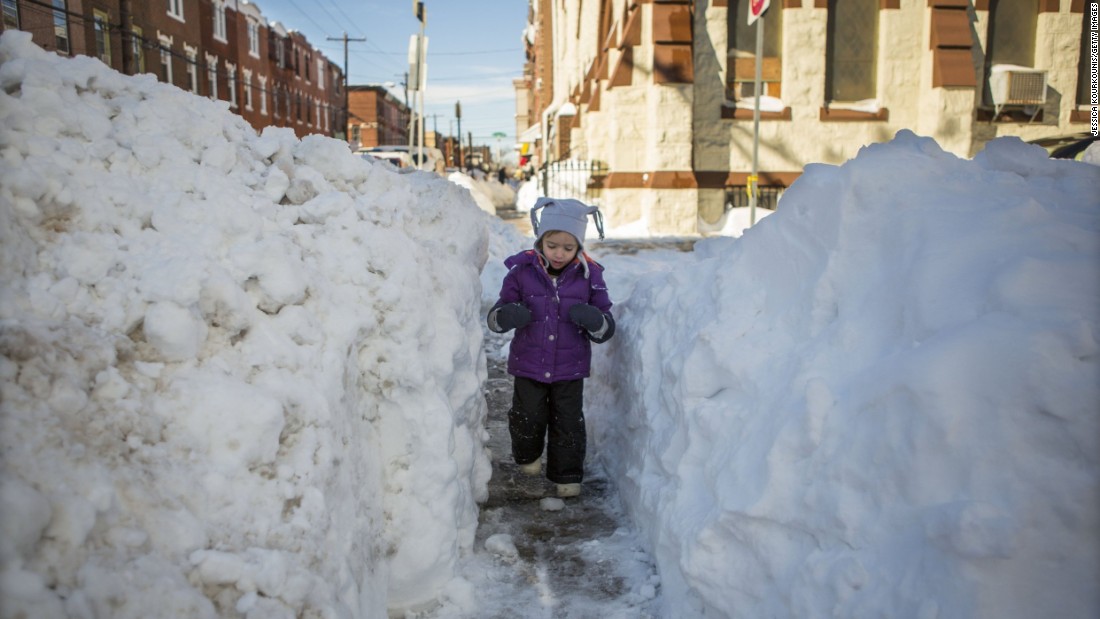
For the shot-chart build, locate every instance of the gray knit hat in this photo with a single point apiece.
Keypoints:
(566, 215)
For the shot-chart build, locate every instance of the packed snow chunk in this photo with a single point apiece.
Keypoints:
(233, 423)
(25, 594)
(26, 514)
(176, 333)
(892, 379)
(552, 504)
(222, 342)
(502, 545)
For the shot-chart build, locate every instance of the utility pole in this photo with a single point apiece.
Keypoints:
(418, 50)
(129, 67)
(347, 110)
(458, 116)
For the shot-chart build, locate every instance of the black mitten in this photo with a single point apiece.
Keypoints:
(586, 316)
(513, 316)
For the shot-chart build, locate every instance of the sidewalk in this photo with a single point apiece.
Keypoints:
(582, 561)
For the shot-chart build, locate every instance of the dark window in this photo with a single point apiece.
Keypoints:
(1010, 38)
(11, 15)
(138, 50)
(1084, 74)
(102, 38)
(741, 51)
(1012, 32)
(61, 26)
(850, 50)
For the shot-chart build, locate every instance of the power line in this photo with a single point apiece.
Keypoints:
(307, 15)
(347, 107)
(480, 76)
(473, 53)
(348, 20)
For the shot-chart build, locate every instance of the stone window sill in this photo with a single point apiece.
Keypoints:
(842, 115)
(740, 113)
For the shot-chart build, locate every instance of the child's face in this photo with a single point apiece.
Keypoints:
(559, 248)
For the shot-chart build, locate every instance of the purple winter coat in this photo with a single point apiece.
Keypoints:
(551, 348)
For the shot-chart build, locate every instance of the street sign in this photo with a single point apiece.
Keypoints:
(418, 69)
(757, 8)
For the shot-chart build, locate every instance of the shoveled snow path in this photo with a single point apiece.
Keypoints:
(582, 561)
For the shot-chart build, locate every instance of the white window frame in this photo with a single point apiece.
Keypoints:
(263, 94)
(166, 58)
(321, 73)
(231, 78)
(103, 35)
(61, 28)
(219, 21)
(137, 43)
(212, 75)
(253, 39)
(192, 67)
(246, 88)
(175, 9)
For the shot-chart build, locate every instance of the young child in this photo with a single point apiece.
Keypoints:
(555, 298)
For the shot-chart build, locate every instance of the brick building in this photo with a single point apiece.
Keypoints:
(376, 117)
(660, 92)
(222, 49)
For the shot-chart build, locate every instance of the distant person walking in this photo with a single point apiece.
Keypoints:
(555, 297)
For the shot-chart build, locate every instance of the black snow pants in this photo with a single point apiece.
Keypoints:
(550, 414)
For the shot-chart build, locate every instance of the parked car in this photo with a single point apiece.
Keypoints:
(402, 156)
(1071, 146)
(397, 158)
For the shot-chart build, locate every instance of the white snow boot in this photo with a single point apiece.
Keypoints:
(531, 468)
(568, 490)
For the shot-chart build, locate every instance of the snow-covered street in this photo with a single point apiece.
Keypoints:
(248, 376)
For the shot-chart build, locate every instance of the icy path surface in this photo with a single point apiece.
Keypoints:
(581, 560)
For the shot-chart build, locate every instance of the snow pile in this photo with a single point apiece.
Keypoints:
(504, 240)
(489, 194)
(239, 373)
(482, 199)
(737, 220)
(881, 401)
(1092, 154)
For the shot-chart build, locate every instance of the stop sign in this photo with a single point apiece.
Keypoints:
(757, 8)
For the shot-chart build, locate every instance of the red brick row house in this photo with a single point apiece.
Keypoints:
(222, 49)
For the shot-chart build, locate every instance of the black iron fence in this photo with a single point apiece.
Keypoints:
(584, 180)
(573, 178)
(767, 196)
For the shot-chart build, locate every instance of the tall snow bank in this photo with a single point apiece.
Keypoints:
(239, 373)
(881, 401)
(488, 194)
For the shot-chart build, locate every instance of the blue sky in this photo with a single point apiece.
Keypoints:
(475, 50)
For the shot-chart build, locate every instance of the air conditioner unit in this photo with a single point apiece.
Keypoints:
(1017, 87)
